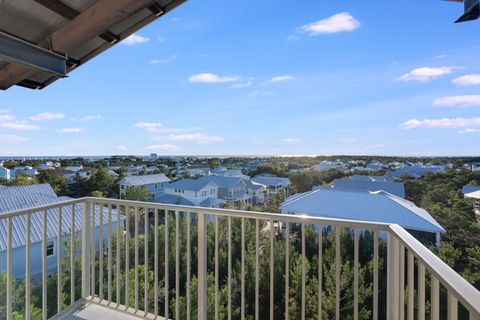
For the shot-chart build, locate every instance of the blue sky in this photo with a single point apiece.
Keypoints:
(266, 77)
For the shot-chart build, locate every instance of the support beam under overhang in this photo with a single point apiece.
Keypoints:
(15, 50)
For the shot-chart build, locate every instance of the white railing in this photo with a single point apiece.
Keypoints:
(156, 260)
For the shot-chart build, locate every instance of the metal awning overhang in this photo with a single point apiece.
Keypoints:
(43, 40)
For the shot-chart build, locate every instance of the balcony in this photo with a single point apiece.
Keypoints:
(115, 259)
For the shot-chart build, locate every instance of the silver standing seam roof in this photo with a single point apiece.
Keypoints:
(24, 197)
(145, 180)
(396, 188)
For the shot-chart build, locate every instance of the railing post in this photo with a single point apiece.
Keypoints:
(393, 278)
(202, 267)
(85, 250)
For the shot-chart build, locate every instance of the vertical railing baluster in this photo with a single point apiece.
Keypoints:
(401, 285)
(229, 276)
(303, 257)
(94, 251)
(421, 291)
(117, 254)
(59, 261)
(100, 252)
(393, 278)
(410, 274)
(271, 271)
(145, 306)
(242, 271)
(167, 266)
(375, 274)
(177, 265)
(202, 267)
(257, 270)
(287, 269)
(44, 266)
(320, 271)
(189, 267)
(127, 257)
(109, 254)
(136, 259)
(155, 235)
(435, 298)
(337, 272)
(452, 307)
(72, 255)
(355, 272)
(86, 250)
(27, 267)
(9, 269)
(217, 270)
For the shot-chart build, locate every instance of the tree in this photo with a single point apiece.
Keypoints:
(101, 181)
(137, 193)
(55, 180)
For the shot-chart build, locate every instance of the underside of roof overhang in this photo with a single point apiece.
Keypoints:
(43, 40)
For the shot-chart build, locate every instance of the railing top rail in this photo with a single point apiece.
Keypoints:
(467, 294)
(247, 214)
(21, 212)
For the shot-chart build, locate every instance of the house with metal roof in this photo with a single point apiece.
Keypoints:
(256, 190)
(230, 189)
(377, 206)
(473, 192)
(357, 177)
(154, 183)
(191, 192)
(274, 185)
(31, 196)
(396, 188)
(4, 173)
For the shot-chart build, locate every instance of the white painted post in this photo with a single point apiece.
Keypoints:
(202, 267)
(86, 250)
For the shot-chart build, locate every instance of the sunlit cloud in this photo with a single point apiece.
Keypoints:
(72, 130)
(425, 74)
(242, 85)
(135, 39)
(88, 118)
(12, 139)
(458, 101)
(340, 22)
(468, 130)
(211, 78)
(46, 116)
(444, 123)
(19, 125)
(467, 80)
(281, 78)
(192, 137)
(291, 140)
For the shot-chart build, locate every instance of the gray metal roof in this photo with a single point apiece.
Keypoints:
(145, 180)
(223, 182)
(190, 184)
(272, 181)
(76, 29)
(15, 200)
(377, 206)
(470, 189)
(173, 199)
(396, 188)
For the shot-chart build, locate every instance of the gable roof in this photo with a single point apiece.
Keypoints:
(379, 206)
(470, 189)
(189, 184)
(396, 188)
(356, 177)
(144, 180)
(224, 182)
(271, 181)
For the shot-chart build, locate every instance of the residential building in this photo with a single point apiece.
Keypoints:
(23, 170)
(84, 173)
(5, 173)
(473, 193)
(395, 188)
(275, 185)
(74, 168)
(197, 170)
(257, 191)
(328, 165)
(230, 189)
(154, 183)
(192, 192)
(224, 172)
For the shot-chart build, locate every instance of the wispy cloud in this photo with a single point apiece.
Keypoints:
(242, 85)
(4, 111)
(7, 117)
(258, 93)
(157, 127)
(458, 101)
(121, 148)
(164, 60)
(340, 22)
(467, 80)
(88, 118)
(72, 130)
(192, 137)
(441, 123)
(440, 56)
(293, 38)
(425, 74)
(291, 140)
(468, 130)
(135, 39)
(211, 78)
(19, 125)
(281, 78)
(12, 139)
(46, 116)
(169, 148)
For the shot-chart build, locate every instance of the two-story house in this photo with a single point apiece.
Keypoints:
(5, 173)
(191, 192)
(230, 189)
(154, 183)
(275, 185)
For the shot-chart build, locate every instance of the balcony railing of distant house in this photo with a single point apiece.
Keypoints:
(156, 260)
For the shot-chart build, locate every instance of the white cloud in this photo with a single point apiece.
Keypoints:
(425, 74)
(193, 137)
(4, 111)
(291, 140)
(242, 85)
(72, 130)
(440, 56)
(339, 22)
(169, 148)
(46, 116)
(211, 78)
(19, 125)
(6, 117)
(458, 101)
(260, 93)
(441, 123)
(164, 60)
(135, 39)
(468, 130)
(149, 126)
(281, 78)
(88, 118)
(467, 80)
(10, 138)
(122, 148)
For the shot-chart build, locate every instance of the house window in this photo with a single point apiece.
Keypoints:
(50, 249)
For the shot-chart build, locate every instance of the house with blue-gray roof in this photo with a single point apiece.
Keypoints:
(4, 173)
(230, 189)
(396, 188)
(190, 192)
(154, 183)
(31, 196)
(275, 185)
